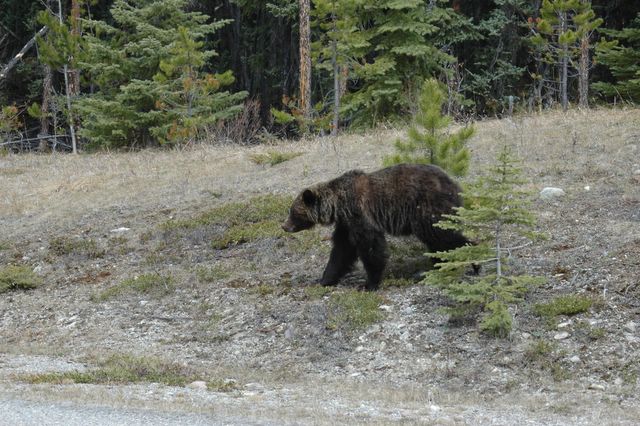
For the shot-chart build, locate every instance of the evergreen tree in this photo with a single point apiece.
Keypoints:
(622, 57)
(394, 55)
(496, 65)
(428, 143)
(496, 212)
(146, 77)
(563, 33)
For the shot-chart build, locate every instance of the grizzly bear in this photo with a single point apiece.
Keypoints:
(400, 200)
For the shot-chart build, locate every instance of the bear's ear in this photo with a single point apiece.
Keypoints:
(309, 197)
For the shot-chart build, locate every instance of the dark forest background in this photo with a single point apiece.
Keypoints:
(144, 72)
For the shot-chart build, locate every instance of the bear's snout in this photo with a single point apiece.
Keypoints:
(288, 226)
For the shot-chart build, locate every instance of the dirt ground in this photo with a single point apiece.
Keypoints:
(261, 323)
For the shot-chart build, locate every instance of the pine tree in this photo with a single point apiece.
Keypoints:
(394, 54)
(497, 211)
(622, 57)
(428, 141)
(147, 79)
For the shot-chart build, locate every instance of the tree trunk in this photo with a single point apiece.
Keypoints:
(72, 130)
(584, 72)
(305, 59)
(564, 64)
(74, 74)
(44, 110)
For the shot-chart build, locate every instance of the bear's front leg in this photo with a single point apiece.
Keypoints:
(343, 256)
(372, 250)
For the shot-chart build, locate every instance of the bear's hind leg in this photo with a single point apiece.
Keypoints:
(373, 253)
(343, 256)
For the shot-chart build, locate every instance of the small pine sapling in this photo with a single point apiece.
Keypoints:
(496, 213)
(428, 142)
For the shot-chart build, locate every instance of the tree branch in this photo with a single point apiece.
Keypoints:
(12, 63)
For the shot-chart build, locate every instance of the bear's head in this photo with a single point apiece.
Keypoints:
(307, 210)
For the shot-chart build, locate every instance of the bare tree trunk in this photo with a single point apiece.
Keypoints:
(44, 110)
(74, 74)
(72, 129)
(564, 64)
(305, 59)
(583, 72)
(15, 59)
(336, 89)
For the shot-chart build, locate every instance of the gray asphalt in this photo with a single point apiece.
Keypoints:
(29, 413)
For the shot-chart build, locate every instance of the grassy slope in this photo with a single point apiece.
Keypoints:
(240, 302)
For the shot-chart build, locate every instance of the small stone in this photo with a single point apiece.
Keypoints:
(289, 333)
(618, 381)
(255, 387)
(575, 359)
(198, 384)
(120, 230)
(360, 348)
(561, 336)
(595, 386)
(385, 308)
(435, 408)
(549, 193)
(631, 327)
(564, 324)
(587, 188)
(526, 336)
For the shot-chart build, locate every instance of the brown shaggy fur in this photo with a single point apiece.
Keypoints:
(399, 200)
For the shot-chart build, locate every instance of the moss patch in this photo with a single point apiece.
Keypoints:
(570, 304)
(274, 157)
(14, 277)
(152, 284)
(122, 369)
(354, 309)
(62, 246)
(257, 218)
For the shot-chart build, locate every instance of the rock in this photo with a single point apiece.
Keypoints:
(254, 387)
(120, 230)
(575, 359)
(198, 384)
(618, 381)
(561, 336)
(289, 334)
(564, 324)
(550, 193)
(631, 327)
(587, 188)
(595, 386)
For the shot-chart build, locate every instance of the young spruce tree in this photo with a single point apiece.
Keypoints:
(428, 141)
(497, 212)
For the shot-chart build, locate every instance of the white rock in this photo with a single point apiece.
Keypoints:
(386, 308)
(360, 348)
(561, 336)
(618, 381)
(198, 384)
(631, 327)
(575, 359)
(587, 188)
(120, 230)
(595, 386)
(549, 193)
(564, 324)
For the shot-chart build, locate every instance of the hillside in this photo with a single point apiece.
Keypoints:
(176, 260)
